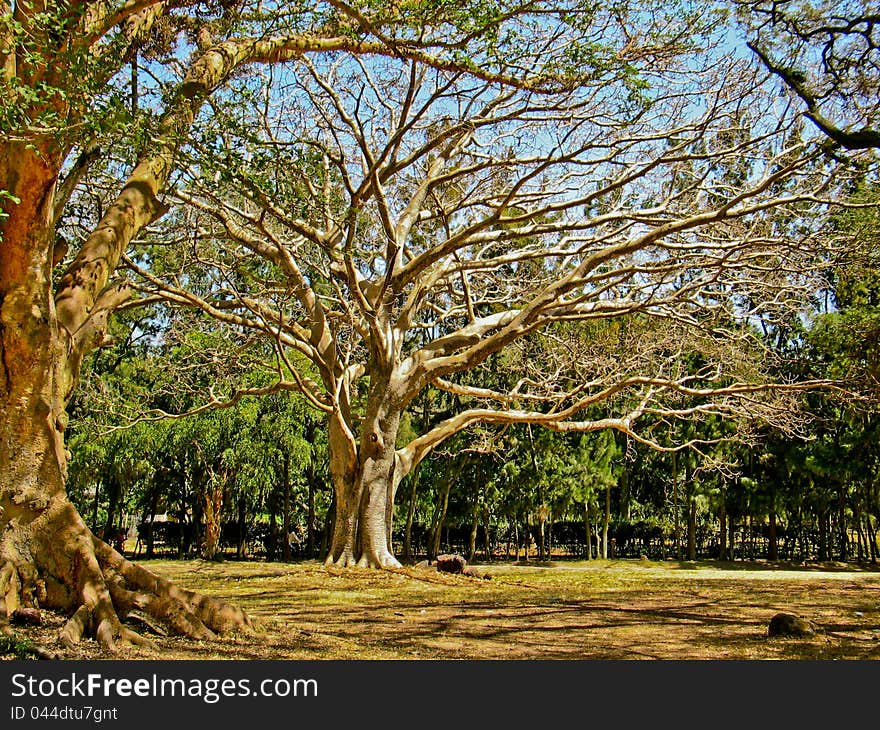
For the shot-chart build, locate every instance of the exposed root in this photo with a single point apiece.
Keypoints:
(384, 561)
(102, 588)
(345, 560)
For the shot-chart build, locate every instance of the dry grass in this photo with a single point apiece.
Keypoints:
(598, 610)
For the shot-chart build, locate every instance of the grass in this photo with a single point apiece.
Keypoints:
(599, 610)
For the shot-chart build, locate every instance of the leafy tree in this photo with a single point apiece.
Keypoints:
(67, 107)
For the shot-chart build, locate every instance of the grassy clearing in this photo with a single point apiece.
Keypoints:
(597, 610)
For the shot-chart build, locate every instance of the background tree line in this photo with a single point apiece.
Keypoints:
(235, 481)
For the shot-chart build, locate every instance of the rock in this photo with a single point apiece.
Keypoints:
(472, 572)
(27, 617)
(787, 624)
(451, 563)
(422, 564)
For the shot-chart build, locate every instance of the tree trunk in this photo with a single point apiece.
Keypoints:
(285, 509)
(872, 538)
(722, 530)
(488, 542)
(692, 528)
(676, 542)
(773, 548)
(691, 510)
(516, 537)
(241, 544)
(113, 495)
(588, 532)
(542, 535)
(48, 556)
(605, 522)
(472, 538)
(410, 515)
(213, 512)
(272, 538)
(860, 545)
(365, 481)
(731, 531)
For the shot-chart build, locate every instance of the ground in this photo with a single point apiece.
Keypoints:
(626, 609)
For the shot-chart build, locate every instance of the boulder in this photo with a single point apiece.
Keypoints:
(451, 563)
(27, 617)
(472, 572)
(787, 624)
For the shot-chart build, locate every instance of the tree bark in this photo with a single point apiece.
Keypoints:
(48, 556)
(365, 479)
(731, 524)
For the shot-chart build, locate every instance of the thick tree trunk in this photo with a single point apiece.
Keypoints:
(365, 481)
(48, 556)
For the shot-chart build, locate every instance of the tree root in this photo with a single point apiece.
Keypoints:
(385, 561)
(101, 588)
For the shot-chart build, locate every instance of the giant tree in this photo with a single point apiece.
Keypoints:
(413, 221)
(66, 107)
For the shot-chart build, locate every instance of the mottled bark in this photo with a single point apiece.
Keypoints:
(48, 556)
(364, 479)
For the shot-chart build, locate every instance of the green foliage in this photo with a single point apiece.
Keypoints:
(20, 648)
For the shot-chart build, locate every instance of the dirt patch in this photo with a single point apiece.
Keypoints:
(597, 610)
